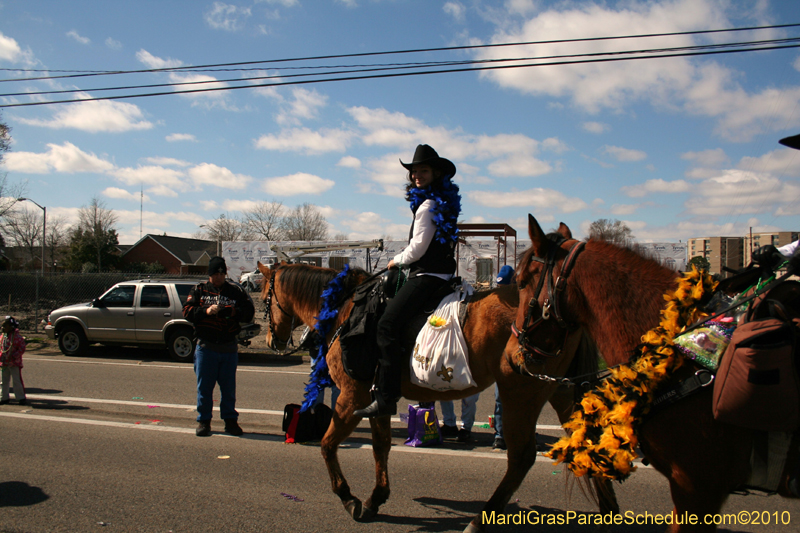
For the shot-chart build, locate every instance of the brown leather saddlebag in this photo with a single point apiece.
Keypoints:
(757, 384)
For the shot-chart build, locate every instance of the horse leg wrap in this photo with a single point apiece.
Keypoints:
(353, 508)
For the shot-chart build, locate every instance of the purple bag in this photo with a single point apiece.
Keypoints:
(423, 427)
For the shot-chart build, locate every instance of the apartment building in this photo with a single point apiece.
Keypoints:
(753, 242)
(720, 252)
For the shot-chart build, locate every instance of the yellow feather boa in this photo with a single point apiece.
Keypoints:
(602, 439)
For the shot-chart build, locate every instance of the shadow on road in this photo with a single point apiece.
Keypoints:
(19, 494)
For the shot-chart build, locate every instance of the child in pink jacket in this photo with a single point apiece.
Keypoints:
(12, 346)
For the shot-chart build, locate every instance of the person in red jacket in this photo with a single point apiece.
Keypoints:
(216, 309)
(12, 346)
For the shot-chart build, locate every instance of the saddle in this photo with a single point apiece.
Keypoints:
(358, 336)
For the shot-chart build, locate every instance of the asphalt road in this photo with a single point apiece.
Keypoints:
(107, 444)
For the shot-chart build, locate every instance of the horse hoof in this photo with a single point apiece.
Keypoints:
(353, 508)
(471, 528)
(367, 513)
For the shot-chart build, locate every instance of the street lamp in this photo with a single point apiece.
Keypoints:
(44, 226)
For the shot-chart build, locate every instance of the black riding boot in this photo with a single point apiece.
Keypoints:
(380, 406)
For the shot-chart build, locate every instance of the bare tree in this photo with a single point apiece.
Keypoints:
(305, 223)
(57, 237)
(264, 220)
(614, 231)
(228, 228)
(8, 193)
(340, 237)
(23, 228)
(95, 236)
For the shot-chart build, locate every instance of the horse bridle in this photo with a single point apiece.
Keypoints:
(551, 307)
(268, 315)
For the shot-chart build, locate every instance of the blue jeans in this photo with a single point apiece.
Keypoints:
(498, 414)
(469, 406)
(212, 367)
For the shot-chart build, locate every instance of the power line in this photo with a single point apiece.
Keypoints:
(401, 74)
(398, 66)
(368, 54)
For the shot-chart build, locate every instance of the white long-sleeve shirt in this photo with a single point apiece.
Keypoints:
(424, 231)
(788, 250)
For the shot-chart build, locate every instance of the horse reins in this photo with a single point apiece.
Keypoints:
(551, 307)
(268, 315)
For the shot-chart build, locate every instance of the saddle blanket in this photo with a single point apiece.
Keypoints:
(439, 361)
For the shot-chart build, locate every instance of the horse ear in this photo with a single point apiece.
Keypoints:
(537, 236)
(264, 269)
(564, 231)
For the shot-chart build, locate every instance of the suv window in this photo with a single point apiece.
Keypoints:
(154, 296)
(119, 296)
(183, 291)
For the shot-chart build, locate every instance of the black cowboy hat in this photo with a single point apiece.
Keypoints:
(791, 142)
(428, 156)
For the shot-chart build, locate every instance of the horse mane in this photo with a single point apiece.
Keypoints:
(306, 283)
(627, 288)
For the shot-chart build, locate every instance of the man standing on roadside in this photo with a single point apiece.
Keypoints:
(216, 308)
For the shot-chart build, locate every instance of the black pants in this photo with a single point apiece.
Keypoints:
(407, 303)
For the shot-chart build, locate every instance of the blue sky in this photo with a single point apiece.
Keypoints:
(677, 148)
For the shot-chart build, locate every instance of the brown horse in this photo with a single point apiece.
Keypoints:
(293, 295)
(617, 295)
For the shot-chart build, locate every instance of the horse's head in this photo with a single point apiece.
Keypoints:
(542, 325)
(280, 322)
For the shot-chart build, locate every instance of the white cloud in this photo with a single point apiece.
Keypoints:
(707, 158)
(156, 62)
(96, 116)
(657, 186)
(157, 176)
(455, 10)
(349, 161)
(284, 3)
(162, 190)
(519, 166)
(624, 154)
(176, 137)
(539, 198)
(306, 141)
(305, 105)
(65, 158)
(361, 221)
(781, 161)
(742, 192)
(113, 44)
(198, 81)
(167, 161)
(122, 194)
(300, 183)
(239, 205)
(222, 16)
(210, 174)
(696, 85)
(74, 35)
(595, 127)
(9, 49)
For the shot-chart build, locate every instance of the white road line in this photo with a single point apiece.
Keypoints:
(190, 431)
(179, 366)
(187, 407)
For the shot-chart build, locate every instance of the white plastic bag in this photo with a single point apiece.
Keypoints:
(440, 360)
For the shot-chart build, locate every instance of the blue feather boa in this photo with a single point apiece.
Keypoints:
(320, 377)
(447, 207)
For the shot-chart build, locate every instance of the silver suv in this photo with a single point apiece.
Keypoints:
(142, 312)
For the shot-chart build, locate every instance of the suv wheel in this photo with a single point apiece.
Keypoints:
(72, 340)
(181, 345)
